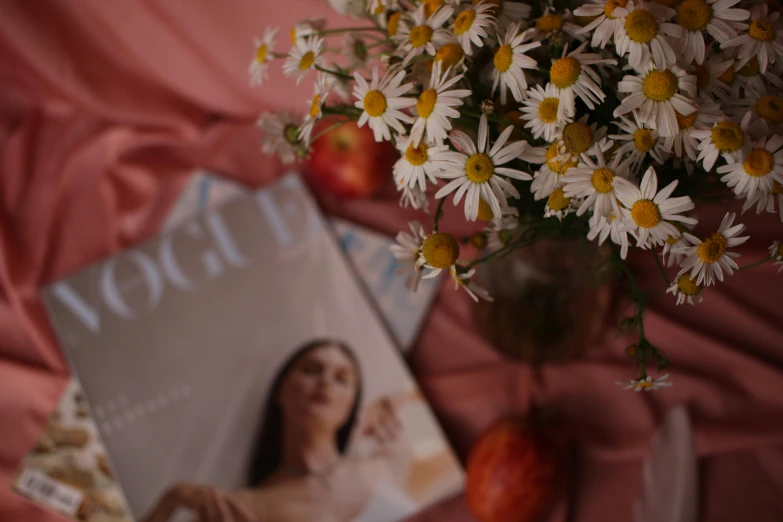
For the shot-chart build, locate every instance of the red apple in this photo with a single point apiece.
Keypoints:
(348, 163)
(513, 473)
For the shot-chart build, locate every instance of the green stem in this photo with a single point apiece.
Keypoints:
(438, 214)
(746, 267)
(327, 129)
(348, 30)
(336, 73)
(660, 266)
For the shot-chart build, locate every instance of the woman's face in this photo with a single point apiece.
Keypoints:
(320, 389)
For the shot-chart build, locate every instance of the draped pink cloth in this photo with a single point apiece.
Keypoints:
(106, 106)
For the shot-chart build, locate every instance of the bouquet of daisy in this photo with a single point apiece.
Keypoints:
(611, 121)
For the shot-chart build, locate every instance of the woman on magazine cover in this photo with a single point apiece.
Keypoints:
(301, 471)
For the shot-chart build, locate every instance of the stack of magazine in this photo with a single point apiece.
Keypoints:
(243, 365)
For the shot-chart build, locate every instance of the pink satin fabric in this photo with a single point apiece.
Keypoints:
(106, 106)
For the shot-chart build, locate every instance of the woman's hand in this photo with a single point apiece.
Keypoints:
(206, 503)
(380, 421)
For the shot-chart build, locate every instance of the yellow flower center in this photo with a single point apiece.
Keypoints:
(449, 55)
(750, 69)
(577, 137)
(293, 35)
(644, 384)
(380, 8)
(712, 249)
(641, 26)
(672, 240)
(759, 163)
(430, 6)
(464, 21)
(643, 140)
(777, 188)
(660, 85)
(393, 25)
(315, 106)
(779, 252)
(602, 180)
(645, 213)
(728, 76)
(374, 103)
(558, 166)
(307, 61)
(478, 240)
(503, 58)
(686, 122)
(549, 22)
(694, 15)
(547, 109)
(558, 200)
(426, 103)
(688, 286)
(416, 156)
(420, 35)
(291, 134)
(479, 168)
(728, 136)
(582, 21)
(485, 211)
(565, 72)
(770, 108)
(761, 30)
(440, 250)
(611, 5)
(261, 53)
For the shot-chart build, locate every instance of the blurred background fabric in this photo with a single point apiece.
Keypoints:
(106, 107)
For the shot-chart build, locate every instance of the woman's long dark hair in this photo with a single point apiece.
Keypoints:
(270, 444)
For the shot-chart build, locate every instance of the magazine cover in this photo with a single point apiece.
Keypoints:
(235, 364)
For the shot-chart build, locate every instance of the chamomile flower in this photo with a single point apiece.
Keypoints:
(478, 171)
(765, 110)
(609, 17)
(280, 135)
(657, 94)
(757, 170)
(610, 226)
(750, 81)
(714, 78)
(573, 77)
(672, 248)
(264, 50)
(558, 205)
(355, 49)
(396, 24)
(597, 182)
(407, 251)
(650, 213)
(306, 28)
(644, 35)
(725, 138)
(685, 289)
(554, 167)
(541, 110)
(437, 105)
(439, 251)
(465, 281)
(638, 142)
(382, 101)
(425, 35)
(762, 39)
(765, 201)
(706, 260)
(509, 60)
(717, 17)
(378, 7)
(474, 25)
(418, 163)
(550, 23)
(776, 253)
(646, 383)
(303, 56)
(316, 103)
(499, 232)
(412, 197)
(451, 56)
(684, 143)
(507, 12)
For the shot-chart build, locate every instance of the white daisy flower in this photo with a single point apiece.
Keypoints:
(706, 260)
(396, 24)
(451, 56)
(303, 56)
(714, 78)
(577, 137)
(316, 103)
(573, 77)
(382, 102)
(499, 232)
(425, 35)
(474, 25)
(764, 110)
(611, 226)
(378, 7)
(507, 12)
(717, 17)
(763, 38)
(355, 49)
(418, 163)
(550, 23)
(644, 35)
(640, 142)
(776, 253)
(609, 17)
(558, 205)
(657, 94)
(672, 247)
(465, 281)
(306, 28)
(765, 201)
(597, 182)
(264, 51)
(760, 167)
(650, 213)
(750, 81)
(280, 135)
(407, 251)
(437, 105)
(725, 138)
(684, 143)
(686, 290)
(412, 197)
(554, 166)
(541, 110)
(478, 172)
(645, 383)
(438, 252)
(509, 60)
